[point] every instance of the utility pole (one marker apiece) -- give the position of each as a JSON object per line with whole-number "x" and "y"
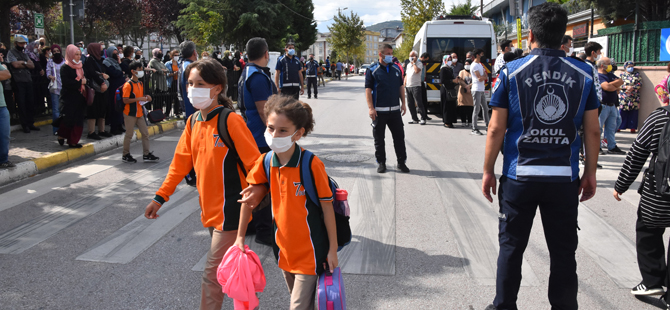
{"x": 71, "y": 22}
{"x": 481, "y": 8}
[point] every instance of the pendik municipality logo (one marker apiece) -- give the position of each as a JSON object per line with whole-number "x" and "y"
{"x": 551, "y": 103}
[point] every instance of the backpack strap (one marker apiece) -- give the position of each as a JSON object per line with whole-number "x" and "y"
{"x": 267, "y": 163}
{"x": 193, "y": 118}
{"x": 306, "y": 177}
{"x": 224, "y": 135}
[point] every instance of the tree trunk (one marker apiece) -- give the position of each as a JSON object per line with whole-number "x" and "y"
{"x": 5, "y": 33}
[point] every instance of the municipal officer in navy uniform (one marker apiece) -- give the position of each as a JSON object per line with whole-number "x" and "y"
{"x": 539, "y": 103}
{"x": 385, "y": 94}
{"x": 289, "y": 73}
{"x": 311, "y": 68}
{"x": 254, "y": 88}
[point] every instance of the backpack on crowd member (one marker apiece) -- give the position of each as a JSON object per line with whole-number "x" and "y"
{"x": 118, "y": 97}
{"x": 308, "y": 183}
{"x": 660, "y": 167}
{"x": 661, "y": 90}
{"x": 330, "y": 291}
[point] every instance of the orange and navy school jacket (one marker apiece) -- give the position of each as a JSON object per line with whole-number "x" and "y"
{"x": 133, "y": 109}
{"x": 301, "y": 240}
{"x": 220, "y": 179}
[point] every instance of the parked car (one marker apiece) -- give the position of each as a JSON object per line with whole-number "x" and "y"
{"x": 362, "y": 69}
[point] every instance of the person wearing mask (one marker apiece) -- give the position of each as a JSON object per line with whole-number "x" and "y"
{"x": 158, "y": 79}
{"x": 465, "y": 101}
{"x": 321, "y": 71}
{"x": 72, "y": 100}
{"x": 505, "y": 47}
{"x": 457, "y": 65}
{"x": 629, "y": 97}
{"x": 7, "y": 85}
{"x": 94, "y": 70}
{"x": 413, "y": 87}
{"x": 479, "y": 79}
{"x": 24, "y": 93}
{"x": 45, "y": 56}
{"x": 172, "y": 78}
{"x": 189, "y": 54}
{"x": 566, "y": 45}
{"x": 448, "y": 92}
{"x": 468, "y": 55}
{"x": 311, "y": 70}
{"x": 287, "y": 73}
{"x": 610, "y": 85}
{"x": 425, "y": 57}
{"x": 328, "y": 72}
{"x": 5, "y": 126}
{"x": 385, "y": 95}
{"x": 255, "y": 89}
{"x": 134, "y": 99}
{"x": 205, "y": 55}
{"x": 38, "y": 76}
{"x": 116, "y": 79}
{"x": 83, "y": 51}
{"x": 53, "y": 73}
{"x": 139, "y": 56}
{"x": 128, "y": 53}
{"x": 338, "y": 68}
{"x": 227, "y": 63}
{"x": 220, "y": 177}
{"x": 536, "y": 174}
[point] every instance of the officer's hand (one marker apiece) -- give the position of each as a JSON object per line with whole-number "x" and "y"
{"x": 373, "y": 114}
{"x": 488, "y": 184}
{"x": 403, "y": 108}
{"x": 616, "y": 196}
{"x": 587, "y": 187}
{"x": 302, "y": 90}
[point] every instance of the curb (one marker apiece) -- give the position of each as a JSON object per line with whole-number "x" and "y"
{"x": 39, "y": 165}
{"x": 38, "y": 124}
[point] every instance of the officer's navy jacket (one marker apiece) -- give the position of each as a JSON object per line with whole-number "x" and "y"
{"x": 546, "y": 95}
{"x": 290, "y": 70}
{"x": 248, "y": 95}
{"x": 385, "y": 82}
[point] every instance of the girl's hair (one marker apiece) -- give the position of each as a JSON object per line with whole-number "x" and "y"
{"x": 212, "y": 73}
{"x": 298, "y": 112}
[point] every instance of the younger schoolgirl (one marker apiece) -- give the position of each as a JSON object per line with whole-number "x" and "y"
{"x": 305, "y": 234}
{"x": 220, "y": 177}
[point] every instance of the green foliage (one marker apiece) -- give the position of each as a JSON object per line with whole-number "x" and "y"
{"x": 467, "y": 9}
{"x": 347, "y": 34}
{"x": 414, "y": 14}
{"x": 650, "y": 10}
{"x": 303, "y": 26}
{"x": 559, "y": 1}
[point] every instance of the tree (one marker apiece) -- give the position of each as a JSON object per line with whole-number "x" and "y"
{"x": 161, "y": 16}
{"x": 347, "y": 34}
{"x": 5, "y": 13}
{"x": 303, "y": 26}
{"x": 465, "y": 9}
{"x": 414, "y": 13}
{"x": 650, "y": 10}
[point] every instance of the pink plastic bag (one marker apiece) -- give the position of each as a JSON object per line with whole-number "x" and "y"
{"x": 241, "y": 277}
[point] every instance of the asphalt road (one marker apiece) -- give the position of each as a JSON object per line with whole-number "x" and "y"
{"x": 77, "y": 239}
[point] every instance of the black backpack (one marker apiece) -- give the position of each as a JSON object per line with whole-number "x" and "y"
{"x": 660, "y": 167}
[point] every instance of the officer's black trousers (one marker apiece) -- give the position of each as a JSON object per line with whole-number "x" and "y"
{"x": 650, "y": 248}
{"x": 394, "y": 122}
{"x": 291, "y": 92}
{"x": 312, "y": 82}
{"x": 558, "y": 207}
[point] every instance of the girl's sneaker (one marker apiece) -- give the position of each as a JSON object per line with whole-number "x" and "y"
{"x": 128, "y": 159}
{"x": 643, "y": 290}
{"x": 150, "y": 157}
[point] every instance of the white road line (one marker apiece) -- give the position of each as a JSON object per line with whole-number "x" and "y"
{"x": 372, "y": 250}
{"x": 50, "y": 223}
{"x": 263, "y": 251}
{"x": 33, "y": 190}
{"x": 167, "y": 139}
{"x": 609, "y": 248}
{"x": 135, "y": 237}
{"x": 474, "y": 222}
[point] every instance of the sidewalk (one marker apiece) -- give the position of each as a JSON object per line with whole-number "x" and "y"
{"x": 39, "y": 151}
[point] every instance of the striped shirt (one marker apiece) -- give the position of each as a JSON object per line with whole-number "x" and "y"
{"x": 654, "y": 209}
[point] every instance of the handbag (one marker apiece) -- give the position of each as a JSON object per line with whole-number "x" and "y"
{"x": 53, "y": 84}
{"x": 97, "y": 87}
{"x": 89, "y": 94}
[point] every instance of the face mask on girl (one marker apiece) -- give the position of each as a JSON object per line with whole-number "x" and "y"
{"x": 199, "y": 97}
{"x": 279, "y": 145}
{"x": 630, "y": 69}
{"x": 230, "y": 57}
{"x": 175, "y": 58}
{"x": 467, "y": 67}
{"x": 449, "y": 63}
{"x": 140, "y": 74}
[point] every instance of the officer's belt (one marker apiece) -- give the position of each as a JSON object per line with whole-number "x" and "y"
{"x": 311, "y": 75}
{"x": 387, "y": 109}
{"x": 291, "y": 84}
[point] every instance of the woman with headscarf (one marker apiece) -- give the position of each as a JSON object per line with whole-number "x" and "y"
{"x": 629, "y": 97}
{"x": 172, "y": 77}
{"x": 95, "y": 71}
{"x": 116, "y": 79}
{"x": 158, "y": 81}
{"x": 38, "y": 76}
{"x": 54, "y": 65}
{"x": 230, "y": 73}
{"x": 465, "y": 100}
{"x": 448, "y": 94}
{"x": 72, "y": 100}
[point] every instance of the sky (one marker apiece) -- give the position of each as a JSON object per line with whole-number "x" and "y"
{"x": 372, "y": 12}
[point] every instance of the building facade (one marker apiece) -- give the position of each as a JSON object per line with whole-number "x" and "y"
{"x": 321, "y": 48}
{"x": 371, "y": 41}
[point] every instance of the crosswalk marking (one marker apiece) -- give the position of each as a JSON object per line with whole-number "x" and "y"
{"x": 609, "y": 248}
{"x": 373, "y": 214}
{"x": 131, "y": 240}
{"x": 474, "y": 223}
{"x": 31, "y": 233}
{"x": 31, "y": 191}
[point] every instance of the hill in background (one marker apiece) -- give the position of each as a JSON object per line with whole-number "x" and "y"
{"x": 387, "y": 24}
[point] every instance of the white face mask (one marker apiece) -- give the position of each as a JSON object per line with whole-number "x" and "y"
{"x": 572, "y": 50}
{"x": 230, "y": 57}
{"x": 140, "y": 74}
{"x": 199, "y": 97}
{"x": 76, "y": 62}
{"x": 449, "y": 63}
{"x": 598, "y": 57}
{"x": 466, "y": 67}
{"x": 175, "y": 58}
{"x": 279, "y": 145}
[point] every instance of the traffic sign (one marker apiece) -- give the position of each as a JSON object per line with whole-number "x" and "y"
{"x": 39, "y": 31}
{"x": 39, "y": 21}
